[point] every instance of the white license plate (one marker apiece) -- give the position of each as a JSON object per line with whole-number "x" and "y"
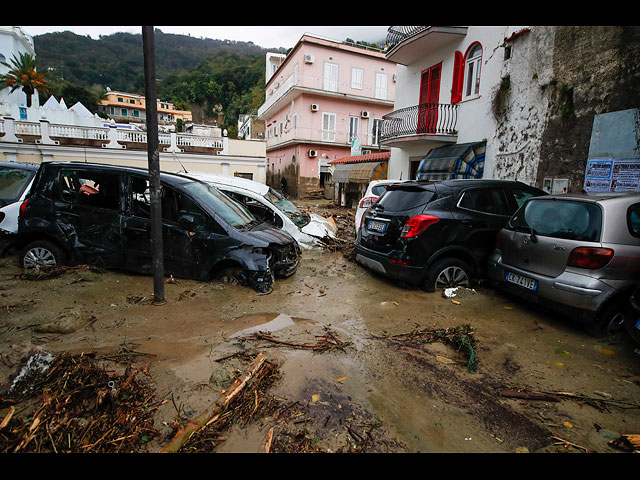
{"x": 377, "y": 226}
{"x": 525, "y": 282}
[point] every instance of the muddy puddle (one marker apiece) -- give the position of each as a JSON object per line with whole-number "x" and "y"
{"x": 374, "y": 389}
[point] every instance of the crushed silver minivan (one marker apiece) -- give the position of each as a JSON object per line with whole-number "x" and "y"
{"x": 265, "y": 203}
{"x": 577, "y": 254}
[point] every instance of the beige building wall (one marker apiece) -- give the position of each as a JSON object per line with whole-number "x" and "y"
{"x": 232, "y": 165}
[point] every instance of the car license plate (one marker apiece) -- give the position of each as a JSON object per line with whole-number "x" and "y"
{"x": 377, "y": 226}
{"x": 525, "y": 282}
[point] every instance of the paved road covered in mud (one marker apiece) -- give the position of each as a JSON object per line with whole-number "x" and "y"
{"x": 378, "y": 389}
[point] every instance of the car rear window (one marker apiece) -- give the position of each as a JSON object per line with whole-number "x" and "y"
{"x": 568, "y": 219}
{"x": 12, "y": 183}
{"x": 378, "y": 190}
{"x": 404, "y": 198}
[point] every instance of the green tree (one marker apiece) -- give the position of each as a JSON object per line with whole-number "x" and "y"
{"x": 23, "y": 74}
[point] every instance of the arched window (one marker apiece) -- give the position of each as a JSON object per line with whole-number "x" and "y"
{"x": 473, "y": 59}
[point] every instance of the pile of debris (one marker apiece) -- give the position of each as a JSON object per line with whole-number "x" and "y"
{"x": 70, "y": 404}
{"x": 461, "y": 337}
{"x": 344, "y": 220}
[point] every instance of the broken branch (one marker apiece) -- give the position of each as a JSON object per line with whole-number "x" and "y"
{"x": 215, "y": 410}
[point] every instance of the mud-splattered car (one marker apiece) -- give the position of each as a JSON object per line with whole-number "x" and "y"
{"x": 100, "y": 214}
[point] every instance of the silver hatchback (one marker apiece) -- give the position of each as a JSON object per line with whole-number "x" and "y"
{"x": 578, "y": 254}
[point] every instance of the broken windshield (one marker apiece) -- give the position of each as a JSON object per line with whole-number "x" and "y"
{"x": 290, "y": 210}
{"x": 232, "y": 212}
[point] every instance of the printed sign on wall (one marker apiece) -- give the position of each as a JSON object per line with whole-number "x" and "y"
{"x": 612, "y": 175}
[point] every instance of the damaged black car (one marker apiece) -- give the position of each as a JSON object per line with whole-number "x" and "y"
{"x": 80, "y": 213}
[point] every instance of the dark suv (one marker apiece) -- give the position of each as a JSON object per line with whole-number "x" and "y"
{"x": 90, "y": 213}
{"x": 437, "y": 235}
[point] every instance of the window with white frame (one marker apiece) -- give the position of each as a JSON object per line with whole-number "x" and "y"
{"x": 330, "y": 77}
{"x": 472, "y": 71}
{"x": 328, "y": 127}
{"x": 382, "y": 84}
{"x": 375, "y": 125}
{"x": 354, "y": 123}
{"x": 357, "y": 78}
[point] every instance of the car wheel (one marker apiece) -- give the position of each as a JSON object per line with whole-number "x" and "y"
{"x": 447, "y": 273}
{"x": 609, "y": 322}
{"x": 231, "y": 275}
{"x": 41, "y": 253}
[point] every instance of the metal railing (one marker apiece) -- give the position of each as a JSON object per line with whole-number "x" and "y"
{"x": 395, "y": 35}
{"x": 10, "y": 128}
{"x": 426, "y": 118}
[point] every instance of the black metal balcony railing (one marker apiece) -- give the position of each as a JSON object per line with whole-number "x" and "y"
{"x": 396, "y": 35}
{"x": 426, "y": 118}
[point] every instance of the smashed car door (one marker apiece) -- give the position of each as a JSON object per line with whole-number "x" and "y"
{"x": 89, "y": 210}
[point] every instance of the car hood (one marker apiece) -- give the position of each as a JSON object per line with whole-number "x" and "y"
{"x": 265, "y": 234}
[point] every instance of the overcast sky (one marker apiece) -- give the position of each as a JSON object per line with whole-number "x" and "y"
{"x": 266, "y": 37}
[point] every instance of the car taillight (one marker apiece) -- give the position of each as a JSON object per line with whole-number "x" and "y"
{"x": 498, "y": 245}
{"x": 366, "y": 202}
{"x": 23, "y": 206}
{"x": 416, "y": 225}
{"x": 590, "y": 257}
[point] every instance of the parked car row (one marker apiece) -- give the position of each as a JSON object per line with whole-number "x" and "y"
{"x": 439, "y": 234}
{"x": 100, "y": 214}
{"x": 577, "y": 254}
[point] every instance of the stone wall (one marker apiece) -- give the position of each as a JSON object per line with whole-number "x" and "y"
{"x": 596, "y": 69}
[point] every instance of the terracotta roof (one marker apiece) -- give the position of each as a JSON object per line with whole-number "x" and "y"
{"x": 371, "y": 157}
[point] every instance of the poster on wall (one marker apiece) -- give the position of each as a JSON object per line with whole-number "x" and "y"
{"x": 612, "y": 175}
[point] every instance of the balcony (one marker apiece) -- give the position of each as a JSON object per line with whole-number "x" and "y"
{"x": 337, "y": 138}
{"x": 283, "y": 92}
{"x": 405, "y": 45}
{"x": 427, "y": 121}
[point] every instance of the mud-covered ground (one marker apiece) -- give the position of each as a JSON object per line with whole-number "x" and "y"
{"x": 379, "y": 391}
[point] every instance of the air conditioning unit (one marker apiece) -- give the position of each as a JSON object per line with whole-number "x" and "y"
{"x": 308, "y": 59}
{"x": 364, "y": 114}
{"x": 313, "y": 153}
{"x": 314, "y": 107}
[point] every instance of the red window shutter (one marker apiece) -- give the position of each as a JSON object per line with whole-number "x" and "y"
{"x": 458, "y": 71}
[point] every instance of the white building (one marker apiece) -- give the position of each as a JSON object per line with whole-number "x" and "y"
{"x": 448, "y": 84}
{"x": 14, "y": 42}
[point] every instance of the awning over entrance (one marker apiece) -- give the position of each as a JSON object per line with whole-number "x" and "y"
{"x": 365, "y": 172}
{"x": 361, "y": 172}
{"x": 464, "y": 160}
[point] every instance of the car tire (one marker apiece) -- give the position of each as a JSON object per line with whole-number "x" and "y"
{"x": 446, "y": 273}
{"x": 41, "y": 253}
{"x": 231, "y": 275}
{"x": 610, "y": 322}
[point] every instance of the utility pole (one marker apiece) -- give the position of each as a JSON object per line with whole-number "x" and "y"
{"x": 148, "y": 46}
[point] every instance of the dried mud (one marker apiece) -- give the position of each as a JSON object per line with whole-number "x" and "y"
{"x": 373, "y": 394}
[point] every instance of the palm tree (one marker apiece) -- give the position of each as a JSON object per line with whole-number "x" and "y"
{"x": 22, "y": 74}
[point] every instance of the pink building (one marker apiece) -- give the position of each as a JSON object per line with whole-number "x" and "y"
{"x": 322, "y": 100}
